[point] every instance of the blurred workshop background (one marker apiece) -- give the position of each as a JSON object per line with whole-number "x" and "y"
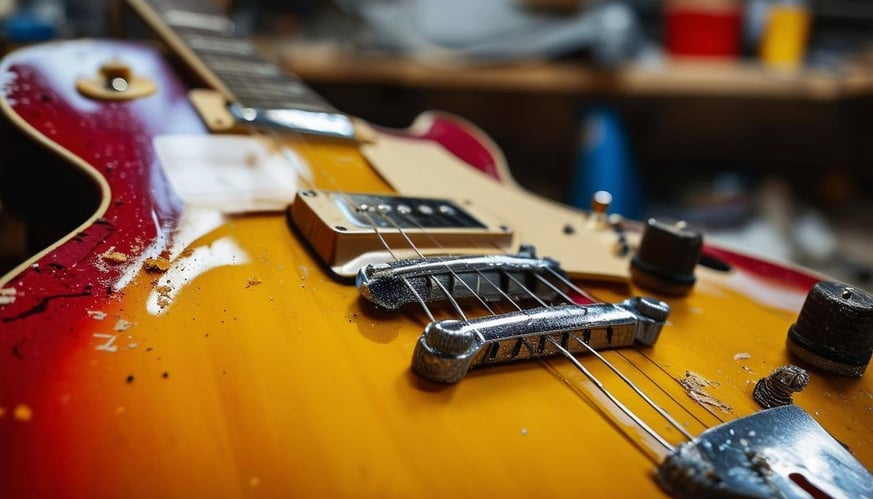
{"x": 750, "y": 118}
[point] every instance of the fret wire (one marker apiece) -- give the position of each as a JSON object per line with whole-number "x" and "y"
{"x": 233, "y": 60}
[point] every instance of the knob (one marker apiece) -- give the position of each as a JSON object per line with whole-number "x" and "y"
{"x": 666, "y": 258}
{"x": 115, "y": 80}
{"x": 834, "y": 330}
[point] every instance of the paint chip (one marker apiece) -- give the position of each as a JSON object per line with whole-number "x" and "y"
{"x": 23, "y": 412}
{"x": 113, "y": 256}
{"x": 7, "y": 296}
{"x": 97, "y": 315}
{"x": 695, "y": 386}
{"x": 122, "y": 325}
{"x": 108, "y": 345}
{"x": 742, "y": 356}
{"x": 156, "y": 265}
{"x": 164, "y": 298}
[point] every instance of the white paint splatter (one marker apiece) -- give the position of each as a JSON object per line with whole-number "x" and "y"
{"x": 7, "y": 296}
{"x": 223, "y": 252}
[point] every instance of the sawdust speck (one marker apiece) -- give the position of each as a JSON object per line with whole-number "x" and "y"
{"x": 123, "y": 325}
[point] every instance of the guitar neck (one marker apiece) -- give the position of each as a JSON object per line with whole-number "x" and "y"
{"x": 257, "y": 89}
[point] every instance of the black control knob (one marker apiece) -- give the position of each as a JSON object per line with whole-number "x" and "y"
{"x": 834, "y": 330}
{"x": 666, "y": 258}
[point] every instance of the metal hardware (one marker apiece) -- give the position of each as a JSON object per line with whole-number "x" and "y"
{"x": 316, "y": 121}
{"x": 490, "y": 277}
{"x": 779, "y": 452}
{"x": 448, "y": 349}
{"x": 350, "y": 231}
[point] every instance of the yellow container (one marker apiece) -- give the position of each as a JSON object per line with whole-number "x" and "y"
{"x": 785, "y": 35}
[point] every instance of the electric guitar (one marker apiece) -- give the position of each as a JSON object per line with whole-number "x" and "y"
{"x": 257, "y": 295}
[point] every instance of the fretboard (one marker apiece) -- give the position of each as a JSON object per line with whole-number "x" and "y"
{"x": 206, "y": 40}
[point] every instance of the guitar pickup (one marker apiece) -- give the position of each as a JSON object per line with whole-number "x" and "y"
{"x": 351, "y": 231}
{"x": 488, "y": 277}
{"x": 449, "y": 348}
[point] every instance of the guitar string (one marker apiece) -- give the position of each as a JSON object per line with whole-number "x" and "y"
{"x": 608, "y": 364}
{"x": 459, "y": 310}
{"x": 663, "y": 413}
{"x": 434, "y": 279}
{"x": 666, "y": 415}
{"x": 597, "y": 383}
{"x": 566, "y": 353}
{"x": 365, "y": 210}
{"x": 479, "y": 272}
{"x": 588, "y": 374}
{"x": 661, "y": 388}
{"x": 704, "y": 406}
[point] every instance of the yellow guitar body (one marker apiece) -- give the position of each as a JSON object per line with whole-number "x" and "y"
{"x": 240, "y": 367}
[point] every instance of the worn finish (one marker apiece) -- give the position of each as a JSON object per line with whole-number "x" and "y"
{"x": 161, "y": 352}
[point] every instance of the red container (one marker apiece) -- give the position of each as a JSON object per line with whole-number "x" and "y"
{"x": 703, "y": 28}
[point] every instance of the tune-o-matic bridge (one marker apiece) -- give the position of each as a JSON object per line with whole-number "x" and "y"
{"x": 487, "y": 277}
{"x": 449, "y": 348}
{"x": 350, "y": 231}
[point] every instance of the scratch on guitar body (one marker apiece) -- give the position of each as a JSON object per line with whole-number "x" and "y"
{"x": 108, "y": 345}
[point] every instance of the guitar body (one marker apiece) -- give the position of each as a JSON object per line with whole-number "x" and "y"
{"x": 246, "y": 369}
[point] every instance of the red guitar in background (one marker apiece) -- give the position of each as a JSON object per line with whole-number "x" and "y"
{"x": 249, "y": 293}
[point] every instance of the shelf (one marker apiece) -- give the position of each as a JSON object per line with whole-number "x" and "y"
{"x": 325, "y": 63}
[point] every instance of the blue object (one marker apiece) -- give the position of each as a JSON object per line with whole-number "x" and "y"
{"x": 25, "y": 27}
{"x": 605, "y": 163}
